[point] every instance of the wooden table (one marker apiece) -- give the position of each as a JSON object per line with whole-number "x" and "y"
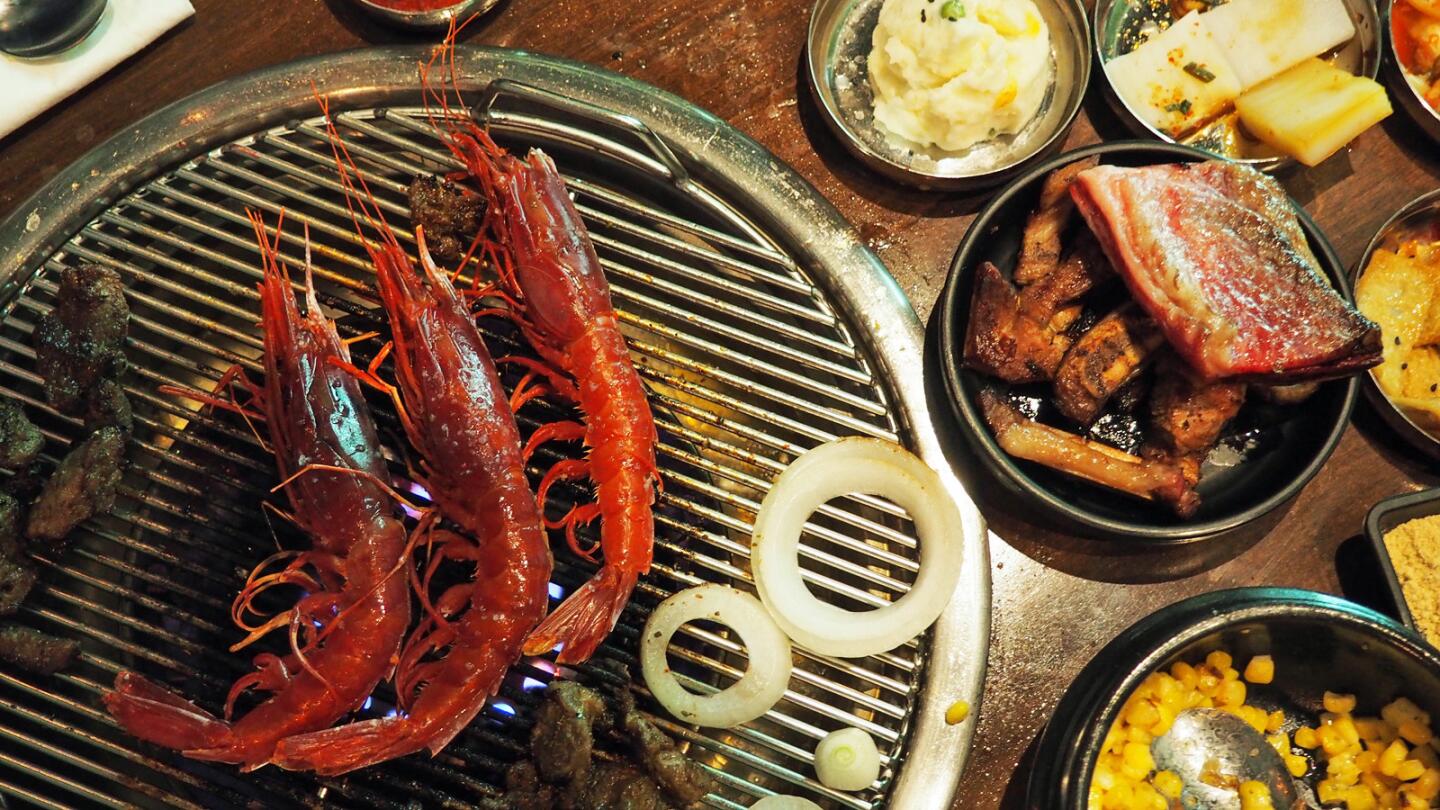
{"x": 1058, "y": 598}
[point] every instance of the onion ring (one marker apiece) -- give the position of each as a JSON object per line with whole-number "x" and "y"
{"x": 840, "y": 467}
{"x": 757, "y": 691}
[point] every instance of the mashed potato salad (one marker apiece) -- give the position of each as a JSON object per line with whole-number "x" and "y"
{"x": 953, "y": 73}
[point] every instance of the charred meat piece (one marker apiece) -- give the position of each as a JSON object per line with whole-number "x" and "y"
{"x": 1187, "y": 416}
{"x": 1092, "y": 461}
{"x": 34, "y": 650}
{"x": 449, "y": 214}
{"x": 616, "y": 785}
{"x": 20, "y": 440}
{"x": 1002, "y": 341}
{"x": 680, "y": 776}
{"x": 564, "y": 735}
{"x": 1103, "y": 361}
{"x": 1214, "y": 252}
{"x": 17, "y": 576}
{"x": 567, "y": 772}
{"x": 1040, "y": 242}
{"x": 80, "y": 346}
{"x": 83, "y": 486}
{"x": 1050, "y": 300}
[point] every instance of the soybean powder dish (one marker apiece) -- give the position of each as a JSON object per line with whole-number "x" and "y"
{"x": 1414, "y": 548}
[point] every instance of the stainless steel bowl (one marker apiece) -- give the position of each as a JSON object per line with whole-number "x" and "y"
{"x": 1415, "y": 106}
{"x": 1109, "y": 21}
{"x": 427, "y": 21}
{"x": 1418, "y": 219}
{"x": 1319, "y": 642}
{"x": 835, "y": 63}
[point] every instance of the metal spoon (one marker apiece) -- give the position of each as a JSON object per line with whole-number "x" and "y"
{"x": 31, "y": 28}
{"x": 1233, "y": 749}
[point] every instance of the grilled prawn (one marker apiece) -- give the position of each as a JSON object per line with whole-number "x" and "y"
{"x": 345, "y": 635}
{"x": 455, "y": 414}
{"x": 549, "y": 273}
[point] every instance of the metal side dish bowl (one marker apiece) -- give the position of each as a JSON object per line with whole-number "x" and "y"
{"x": 1401, "y": 86}
{"x": 427, "y": 20}
{"x": 1116, "y": 27}
{"x": 839, "y": 44}
{"x": 1418, "y": 219}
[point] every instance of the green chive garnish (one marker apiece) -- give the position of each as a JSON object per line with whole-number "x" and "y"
{"x": 952, "y": 10}
{"x": 1199, "y": 72}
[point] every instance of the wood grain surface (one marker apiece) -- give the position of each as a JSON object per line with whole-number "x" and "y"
{"x": 1058, "y": 597}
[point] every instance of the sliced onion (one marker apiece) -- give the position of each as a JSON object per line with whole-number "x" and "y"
{"x": 778, "y": 802}
{"x": 840, "y": 467}
{"x": 765, "y": 679}
{"x": 847, "y": 760}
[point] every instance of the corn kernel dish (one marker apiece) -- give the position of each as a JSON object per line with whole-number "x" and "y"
{"x": 1355, "y": 762}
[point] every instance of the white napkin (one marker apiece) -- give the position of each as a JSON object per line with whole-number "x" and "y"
{"x": 31, "y": 86}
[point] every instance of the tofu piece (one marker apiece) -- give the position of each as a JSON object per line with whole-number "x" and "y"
{"x": 1262, "y": 38}
{"x": 1312, "y": 110}
{"x": 1154, "y": 83}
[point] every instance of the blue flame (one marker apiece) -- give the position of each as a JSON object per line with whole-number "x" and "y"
{"x": 556, "y": 592}
{"x": 504, "y": 708}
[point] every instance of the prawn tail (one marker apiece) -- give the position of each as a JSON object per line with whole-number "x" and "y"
{"x": 581, "y": 622}
{"x": 157, "y": 715}
{"x": 334, "y": 751}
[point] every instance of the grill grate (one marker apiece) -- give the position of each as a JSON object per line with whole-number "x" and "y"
{"x": 747, "y": 365}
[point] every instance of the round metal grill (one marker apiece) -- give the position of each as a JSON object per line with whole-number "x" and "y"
{"x": 748, "y": 357}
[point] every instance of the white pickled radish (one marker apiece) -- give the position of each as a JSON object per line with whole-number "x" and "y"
{"x": 847, "y": 760}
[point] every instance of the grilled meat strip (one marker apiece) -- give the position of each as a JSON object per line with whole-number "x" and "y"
{"x": 36, "y": 651}
{"x": 1040, "y": 242}
{"x": 1019, "y": 335}
{"x": 1214, "y": 252}
{"x": 1000, "y": 340}
{"x": 566, "y": 772}
{"x": 1092, "y": 461}
{"x": 80, "y": 347}
{"x": 82, "y": 487}
{"x": 449, "y": 214}
{"x": 1107, "y": 357}
{"x": 17, "y": 576}
{"x": 20, "y": 440}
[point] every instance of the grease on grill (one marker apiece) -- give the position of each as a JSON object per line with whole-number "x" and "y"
{"x": 565, "y": 771}
{"x": 80, "y": 347}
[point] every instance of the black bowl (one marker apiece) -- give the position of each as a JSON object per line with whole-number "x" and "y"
{"x": 1385, "y": 516}
{"x": 1319, "y": 642}
{"x": 1296, "y": 447}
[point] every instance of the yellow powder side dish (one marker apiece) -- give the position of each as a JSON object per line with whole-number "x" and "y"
{"x": 1414, "y": 548}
